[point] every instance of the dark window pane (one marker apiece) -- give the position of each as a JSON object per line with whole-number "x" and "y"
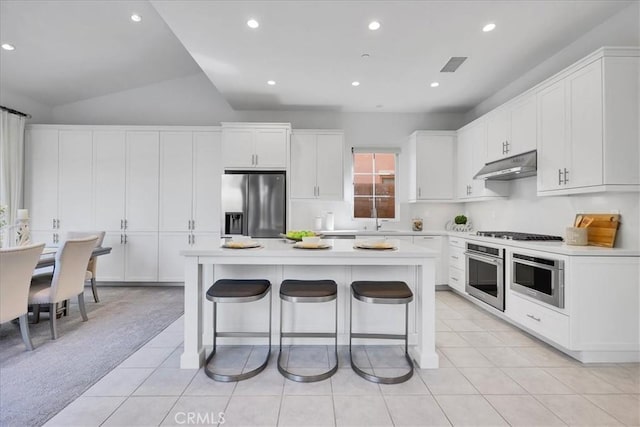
{"x": 386, "y": 207}
{"x": 386, "y": 187}
{"x": 363, "y": 185}
{"x": 363, "y": 207}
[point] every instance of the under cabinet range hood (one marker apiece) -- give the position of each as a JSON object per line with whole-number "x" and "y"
{"x": 519, "y": 166}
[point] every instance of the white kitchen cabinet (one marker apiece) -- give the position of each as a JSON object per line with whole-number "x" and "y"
{"x": 456, "y": 264}
{"x": 109, "y": 179}
{"x": 545, "y": 321}
{"x": 41, "y": 178}
{"x": 189, "y": 181}
{"x": 471, "y": 157}
{"x": 255, "y": 145}
{"x": 588, "y": 127}
{"x": 171, "y": 263}
{"x": 141, "y": 257}
{"x": 317, "y": 165}
{"x": 110, "y": 268}
{"x": 142, "y": 176}
{"x": 431, "y": 166}
{"x": 511, "y": 128}
{"x": 58, "y": 180}
{"x": 436, "y": 243}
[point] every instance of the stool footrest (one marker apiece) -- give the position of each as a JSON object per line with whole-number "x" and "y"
{"x": 243, "y": 334}
{"x": 235, "y": 377}
{"x": 308, "y": 335}
{"x": 383, "y": 380}
{"x": 378, "y": 336}
{"x": 307, "y": 378}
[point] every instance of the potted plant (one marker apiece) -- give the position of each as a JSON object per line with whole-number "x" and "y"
{"x": 460, "y": 220}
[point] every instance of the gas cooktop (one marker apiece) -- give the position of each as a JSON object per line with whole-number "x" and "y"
{"x": 511, "y": 235}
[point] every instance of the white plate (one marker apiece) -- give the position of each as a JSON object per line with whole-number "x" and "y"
{"x": 304, "y": 245}
{"x": 241, "y": 244}
{"x": 380, "y": 246}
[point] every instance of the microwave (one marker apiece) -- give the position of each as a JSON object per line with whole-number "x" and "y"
{"x": 539, "y": 278}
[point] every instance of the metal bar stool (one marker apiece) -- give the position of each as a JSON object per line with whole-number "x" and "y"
{"x": 237, "y": 291}
{"x": 390, "y": 292}
{"x": 308, "y": 291}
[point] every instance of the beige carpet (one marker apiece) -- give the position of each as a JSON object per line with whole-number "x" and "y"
{"x": 36, "y": 385}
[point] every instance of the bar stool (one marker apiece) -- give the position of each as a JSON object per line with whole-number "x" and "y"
{"x": 237, "y": 291}
{"x": 381, "y": 292}
{"x": 308, "y": 291}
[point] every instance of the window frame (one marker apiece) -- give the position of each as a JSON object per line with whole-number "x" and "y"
{"x": 396, "y": 196}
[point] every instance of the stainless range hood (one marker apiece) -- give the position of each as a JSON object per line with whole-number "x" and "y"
{"x": 519, "y": 166}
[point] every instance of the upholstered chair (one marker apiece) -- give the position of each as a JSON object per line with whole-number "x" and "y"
{"x": 90, "y": 275}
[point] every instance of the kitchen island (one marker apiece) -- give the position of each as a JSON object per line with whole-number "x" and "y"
{"x": 277, "y": 260}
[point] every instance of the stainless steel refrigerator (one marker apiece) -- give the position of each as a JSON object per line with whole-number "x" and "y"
{"x": 254, "y": 203}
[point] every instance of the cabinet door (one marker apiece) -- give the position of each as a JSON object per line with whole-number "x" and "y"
{"x": 46, "y": 237}
{"x": 141, "y": 257}
{"x": 171, "y": 263}
{"x": 176, "y": 180}
{"x": 109, "y": 169}
{"x": 498, "y": 135}
{"x": 270, "y": 148}
{"x": 143, "y": 151}
{"x": 41, "y": 177}
{"x": 463, "y": 163}
{"x": 434, "y": 171}
{"x": 434, "y": 243}
{"x": 207, "y": 240}
{"x": 75, "y": 190}
{"x": 206, "y": 185}
{"x": 523, "y": 126}
{"x": 478, "y": 142}
{"x": 110, "y": 267}
{"x": 303, "y": 166}
{"x": 237, "y": 148}
{"x": 329, "y": 168}
{"x": 551, "y": 136}
{"x": 584, "y": 133}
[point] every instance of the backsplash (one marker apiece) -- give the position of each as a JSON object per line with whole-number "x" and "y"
{"x": 526, "y": 212}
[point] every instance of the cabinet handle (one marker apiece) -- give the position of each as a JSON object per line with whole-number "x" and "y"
{"x": 121, "y": 239}
{"x": 189, "y": 239}
{"x": 126, "y": 225}
{"x": 57, "y": 224}
{"x": 455, "y": 279}
{"x": 256, "y": 160}
{"x": 503, "y": 149}
{"x": 419, "y": 192}
{"x": 121, "y": 224}
{"x": 454, "y": 257}
{"x": 193, "y": 224}
{"x": 318, "y": 191}
{"x": 189, "y": 225}
{"x": 559, "y": 176}
{"x": 193, "y": 239}
{"x": 508, "y": 144}
{"x": 125, "y": 239}
{"x": 531, "y": 316}
{"x": 53, "y": 225}
{"x": 566, "y": 172}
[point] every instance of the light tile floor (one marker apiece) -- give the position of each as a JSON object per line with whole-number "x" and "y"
{"x": 490, "y": 374}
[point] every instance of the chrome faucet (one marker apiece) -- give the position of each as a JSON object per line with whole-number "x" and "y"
{"x": 378, "y": 223}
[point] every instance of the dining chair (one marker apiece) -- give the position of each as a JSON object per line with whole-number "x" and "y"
{"x": 90, "y": 275}
{"x": 16, "y": 268}
{"x": 68, "y": 278}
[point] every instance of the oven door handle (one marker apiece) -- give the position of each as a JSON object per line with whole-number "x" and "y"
{"x": 496, "y": 261}
{"x": 535, "y": 264}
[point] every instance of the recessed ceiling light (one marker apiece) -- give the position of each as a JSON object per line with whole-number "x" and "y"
{"x": 374, "y": 25}
{"x": 136, "y": 18}
{"x": 489, "y": 27}
{"x": 271, "y": 82}
{"x": 355, "y": 83}
{"x": 365, "y": 55}
{"x": 379, "y": 106}
{"x": 435, "y": 84}
{"x": 252, "y": 23}
{"x": 7, "y": 46}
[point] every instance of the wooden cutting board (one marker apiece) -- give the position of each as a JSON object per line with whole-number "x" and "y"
{"x": 601, "y": 228}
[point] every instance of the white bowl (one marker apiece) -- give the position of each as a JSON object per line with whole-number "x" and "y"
{"x": 311, "y": 239}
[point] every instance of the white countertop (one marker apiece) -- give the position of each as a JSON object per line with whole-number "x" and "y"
{"x": 341, "y": 248}
{"x": 551, "y": 247}
{"x": 384, "y": 233}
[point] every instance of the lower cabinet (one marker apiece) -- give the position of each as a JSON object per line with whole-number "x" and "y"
{"x": 542, "y": 320}
{"x": 442, "y": 265}
{"x": 170, "y": 262}
{"x": 133, "y": 258}
{"x": 456, "y": 263}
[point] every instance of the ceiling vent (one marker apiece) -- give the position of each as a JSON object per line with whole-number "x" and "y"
{"x": 453, "y": 64}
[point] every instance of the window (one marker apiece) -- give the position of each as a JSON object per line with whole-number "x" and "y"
{"x": 374, "y": 184}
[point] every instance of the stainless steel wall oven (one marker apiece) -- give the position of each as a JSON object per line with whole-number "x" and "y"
{"x": 485, "y": 274}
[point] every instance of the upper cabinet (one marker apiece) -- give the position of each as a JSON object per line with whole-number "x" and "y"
{"x": 317, "y": 164}
{"x": 511, "y": 128}
{"x": 471, "y": 157}
{"x": 255, "y": 145}
{"x": 588, "y": 126}
{"x": 431, "y": 166}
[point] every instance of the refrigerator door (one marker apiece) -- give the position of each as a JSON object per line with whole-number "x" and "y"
{"x": 234, "y": 203}
{"x": 266, "y": 205}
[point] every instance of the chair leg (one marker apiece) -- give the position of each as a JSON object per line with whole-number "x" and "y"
{"x": 53, "y": 320}
{"x": 36, "y": 313}
{"x": 94, "y": 289}
{"x": 24, "y": 330}
{"x": 83, "y": 310}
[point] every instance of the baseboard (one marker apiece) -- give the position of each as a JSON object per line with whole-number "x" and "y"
{"x": 134, "y": 284}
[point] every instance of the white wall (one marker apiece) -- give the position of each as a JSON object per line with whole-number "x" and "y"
{"x": 40, "y": 113}
{"x": 524, "y": 211}
{"x": 622, "y": 29}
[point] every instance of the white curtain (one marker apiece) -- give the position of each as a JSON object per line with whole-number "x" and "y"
{"x": 11, "y": 162}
